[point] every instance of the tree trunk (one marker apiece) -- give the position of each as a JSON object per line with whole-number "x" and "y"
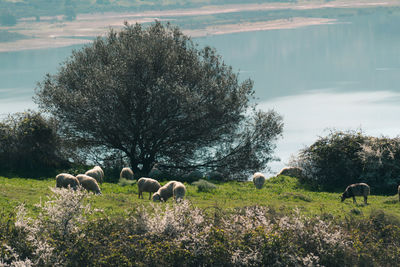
{"x": 134, "y": 166}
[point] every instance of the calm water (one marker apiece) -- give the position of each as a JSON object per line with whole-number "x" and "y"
{"x": 343, "y": 76}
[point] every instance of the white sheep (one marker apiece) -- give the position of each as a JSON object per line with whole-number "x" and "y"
{"x": 126, "y": 173}
{"x": 258, "y": 180}
{"x": 179, "y": 191}
{"x": 171, "y": 189}
{"x": 147, "y": 185}
{"x": 63, "y": 180}
{"x": 96, "y": 173}
{"x": 89, "y": 183}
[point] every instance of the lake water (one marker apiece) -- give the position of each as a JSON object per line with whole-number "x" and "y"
{"x": 342, "y": 76}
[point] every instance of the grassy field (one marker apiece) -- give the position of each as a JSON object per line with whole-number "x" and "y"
{"x": 279, "y": 193}
{"x": 136, "y": 232}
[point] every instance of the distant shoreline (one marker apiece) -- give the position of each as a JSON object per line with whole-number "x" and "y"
{"x": 44, "y": 34}
{"x": 55, "y": 42}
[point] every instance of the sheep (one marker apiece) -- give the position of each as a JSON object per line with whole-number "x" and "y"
{"x": 89, "y": 183}
{"x": 291, "y": 171}
{"x": 172, "y": 188}
{"x": 147, "y": 185}
{"x": 96, "y": 173}
{"x": 179, "y": 191}
{"x": 126, "y": 173}
{"x": 65, "y": 180}
{"x": 353, "y": 190}
{"x": 258, "y": 180}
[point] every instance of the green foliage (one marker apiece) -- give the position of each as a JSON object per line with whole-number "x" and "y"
{"x": 192, "y": 176}
{"x": 204, "y": 186}
{"x": 215, "y": 176}
{"x": 376, "y": 238}
{"x": 298, "y": 196}
{"x": 342, "y": 158}
{"x": 173, "y": 104}
{"x": 183, "y": 235}
{"x": 29, "y": 145}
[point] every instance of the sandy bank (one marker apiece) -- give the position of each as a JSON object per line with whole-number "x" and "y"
{"x": 47, "y": 34}
{"x": 260, "y": 26}
{"x": 51, "y": 39}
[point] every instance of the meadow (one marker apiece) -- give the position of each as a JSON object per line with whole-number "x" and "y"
{"x": 280, "y": 193}
{"x": 234, "y": 224}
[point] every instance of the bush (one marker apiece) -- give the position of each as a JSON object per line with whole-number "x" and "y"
{"x": 342, "y": 158}
{"x": 183, "y": 235}
{"x": 176, "y": 235}
{"x": 54, "y": 233}
{"x": 215, "y": 176}
{"x": 380, "y": 159}
{"x": 192, "y": 176}
{"x": 157, "y": 174}
{"x": 30, "y": 146}
{"x": 376, "y": 239}
{"x": 204, "y": 186}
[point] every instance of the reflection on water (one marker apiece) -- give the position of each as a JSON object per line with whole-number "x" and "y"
{"x": 356, "y": 54}
{"x": 356, "y": 62}
{"x": 313, "y": 114}
{"x": 19, "y": 73}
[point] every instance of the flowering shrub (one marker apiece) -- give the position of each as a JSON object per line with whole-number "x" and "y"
{"x": 183, "y": 235}
{"x": 56, "y": 229}
{"x": 179, "y": 234}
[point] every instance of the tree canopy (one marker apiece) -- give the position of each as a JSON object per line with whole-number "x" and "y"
{"x": 153, "y": 94}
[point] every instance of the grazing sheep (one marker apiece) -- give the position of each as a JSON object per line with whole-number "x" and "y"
{"x": 147, "y": 185}
{"x": 96, "y": 173}
{"x": 292, "y": 172}
{"x": 65, "y": 180}
{"x": 126, "y": 173}
{"x": 89, "y": 183}
{"x": 353, "y": 190}
{"x": 172, "y": 188}
{"x": 179, "y": 191}
{"x": 258, "y": 180}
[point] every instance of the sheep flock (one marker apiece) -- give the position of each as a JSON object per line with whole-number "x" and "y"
{"x": 92, "y": 178}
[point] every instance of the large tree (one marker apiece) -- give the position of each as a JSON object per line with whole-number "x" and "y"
{"x": 151, "y": 93}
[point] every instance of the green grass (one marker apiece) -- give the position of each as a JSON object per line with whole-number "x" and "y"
{"x": 280, "y": 193}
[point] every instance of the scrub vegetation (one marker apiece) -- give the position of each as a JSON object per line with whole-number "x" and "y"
{"x": 235, "y": 224}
